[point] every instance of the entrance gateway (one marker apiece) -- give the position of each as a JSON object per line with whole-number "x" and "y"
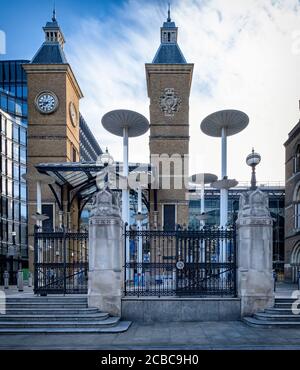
{"x": 174, "y": 263}
{"x": 181, "y": 263}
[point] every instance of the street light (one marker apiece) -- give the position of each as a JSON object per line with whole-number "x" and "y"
{"x": 106, "y": 160}
{"x": 253, "y": 160}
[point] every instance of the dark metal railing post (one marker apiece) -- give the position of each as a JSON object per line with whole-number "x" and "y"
{"x": 235, "y": 267}
{"x": 36, "y": 259}
{"x": 125, "y": 249}
{"x": 65, "y": 261}
{"x": 298, "y": 279}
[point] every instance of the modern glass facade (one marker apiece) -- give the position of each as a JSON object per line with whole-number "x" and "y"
{"x": 89, "y": 147}
{"x": 212, "y": 210}
{"x": 13, "y": 207}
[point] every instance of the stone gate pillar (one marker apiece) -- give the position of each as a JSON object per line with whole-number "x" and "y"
{"x": 254, "y": 253}
{"x": 105, "y": 281}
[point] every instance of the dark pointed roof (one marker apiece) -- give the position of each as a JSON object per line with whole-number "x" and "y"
{"x": 50, "y": 53}
{"x": 169, "y": 54}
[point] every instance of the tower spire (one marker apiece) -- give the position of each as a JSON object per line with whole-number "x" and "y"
{"x": 169, "y": 12}
{"x": 54, "y": 13}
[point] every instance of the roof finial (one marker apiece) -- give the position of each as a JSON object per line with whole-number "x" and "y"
{"x": 169, "y": 16}
{"x": 54, "y": 13}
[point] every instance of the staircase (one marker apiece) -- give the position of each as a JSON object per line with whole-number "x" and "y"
{"x": 279, "y": 316}
{"x": 57, "y": 314}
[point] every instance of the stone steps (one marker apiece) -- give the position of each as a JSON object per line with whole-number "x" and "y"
{"x": 56, "y": 315}
{"x": 280, "y": 315}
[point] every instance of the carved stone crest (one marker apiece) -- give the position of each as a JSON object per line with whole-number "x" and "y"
{"x": 254, "y": 204}
{"x": 169, "y": 103}
{"x": 105, "y": 203}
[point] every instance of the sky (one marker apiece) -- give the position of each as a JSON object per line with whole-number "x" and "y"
{"x": 246, "y": 56}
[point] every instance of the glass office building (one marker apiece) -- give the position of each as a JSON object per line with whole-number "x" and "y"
{"x": 212, "y": 209}
{"x": 13, "y": 207}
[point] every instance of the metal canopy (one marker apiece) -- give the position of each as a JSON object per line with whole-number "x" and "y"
{"x": 116, "y": 120}
{"x": 82, "y": 175}
{"x": 232, "y": 120}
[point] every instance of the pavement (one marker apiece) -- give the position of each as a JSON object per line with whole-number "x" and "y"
{"x": 233, "y": 335}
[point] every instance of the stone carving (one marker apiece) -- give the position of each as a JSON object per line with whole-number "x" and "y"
{"x": 169, "y": 103}
{"x": 254, "y": 203}
{"x": 105, "y": 203}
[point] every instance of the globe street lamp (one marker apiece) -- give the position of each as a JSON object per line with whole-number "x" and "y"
{"x": 253, "y": 160}
{"x": 106, "y": 160}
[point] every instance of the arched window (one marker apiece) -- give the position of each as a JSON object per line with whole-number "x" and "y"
{"x": 297, "y": 160}
{"x": 297, "y": 209}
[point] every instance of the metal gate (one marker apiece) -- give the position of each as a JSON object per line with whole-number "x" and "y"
{"x": 60, "y": 262}
{"x": 180, "y": 263}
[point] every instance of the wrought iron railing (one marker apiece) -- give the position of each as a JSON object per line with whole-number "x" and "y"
{"x": 60, "y": 262}
{"x": 180, "y": 263}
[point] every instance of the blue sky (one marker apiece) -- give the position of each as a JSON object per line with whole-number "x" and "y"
{"x": 246, "y": 55}
{"x": 21, "y": 20}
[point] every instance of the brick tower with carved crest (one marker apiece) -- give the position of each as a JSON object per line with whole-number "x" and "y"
{"x": 169, "y": 79}
{"x": 53, "y": 122}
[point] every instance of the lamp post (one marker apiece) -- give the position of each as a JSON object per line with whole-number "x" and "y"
{"x": 107, "y": 160}
{"x": 253, "y": 160}
{"x": 222, "y": 124}
{"x": 125, "y": 123}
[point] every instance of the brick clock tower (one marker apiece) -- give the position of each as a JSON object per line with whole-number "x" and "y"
{"x": 169, "y": 79}
{"x": 53, "y": 120}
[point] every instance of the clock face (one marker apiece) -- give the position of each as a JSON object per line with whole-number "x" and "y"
{"x": 73, "y": 114}
{"x": 46, "y": 102}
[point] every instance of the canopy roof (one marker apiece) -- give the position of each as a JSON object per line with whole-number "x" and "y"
{"x": 81, "y": 176}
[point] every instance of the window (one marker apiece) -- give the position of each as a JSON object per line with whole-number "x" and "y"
{"x": 3, "y": 166}
{"x": 16, "y": 189}
{"x": 9, "y": 129}
{"x": 23, "y": 191}
{"x": 16, "y": 171}
{"x": 16, "y": 133}
{"x": 16, "y": 152}
{"x": 297, "y": 209}
{"x": 9, "y": 208}
{"x": 47, "y": 209}
{"x": 22, "y": 136}
{"x": 23, "y": 155}
{"x": 297, "y": 160}
{"x": 169, "y": 217}
{"x": 23, "y": 212}
{"x": 9, "y": 187}
{"x": 9, "y": 168}
{"x": 22, "y": 172}
{"x": 3, "y": 124}
{"x": 8, "y": 148}
{"x": 3, "y": 145}
{"x": 16, "y": 211}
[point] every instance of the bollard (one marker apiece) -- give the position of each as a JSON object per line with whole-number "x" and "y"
{"x": 299, "y": 280}
{"x": 20, "y": 282}
{"x": 6, "y": 279}
{"x": 29, "y": 279}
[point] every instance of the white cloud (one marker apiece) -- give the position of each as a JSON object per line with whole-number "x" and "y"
{"x": 243, "y": 55}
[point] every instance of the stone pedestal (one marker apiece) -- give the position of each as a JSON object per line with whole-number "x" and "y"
{"x": 254, "y": 253}
{"x": 105, "y": 282}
